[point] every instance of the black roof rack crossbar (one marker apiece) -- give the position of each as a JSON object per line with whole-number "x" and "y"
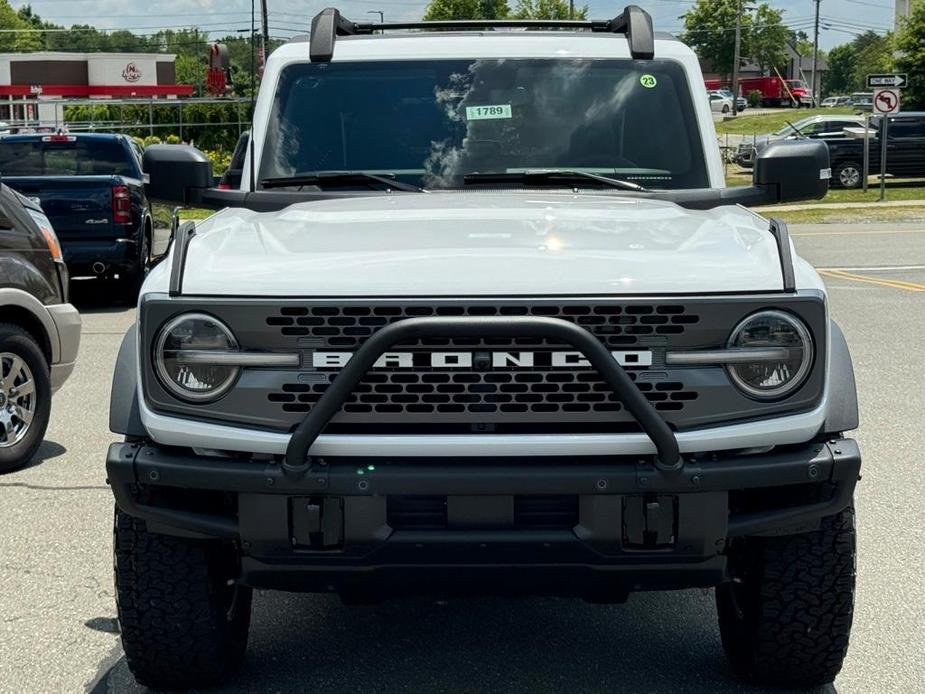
{"x": 634, "y": 22}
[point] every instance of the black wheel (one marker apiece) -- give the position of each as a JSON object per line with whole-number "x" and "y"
{"x": 849, "y": 175}
{"x": 184, "y": 620}
{"x": 25, "y": 397}
{"x": 786, "y": 617}
{"x": 136, "y": 276}
{"x": 725, "y": 108}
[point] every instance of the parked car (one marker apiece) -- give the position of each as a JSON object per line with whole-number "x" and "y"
{"x": 863, "y": 101}
{"x": 905, "y": 150}
{"x": 811, "y": 127}
{"x": 720, "y": 103}
{"x": 836, "y": 101}
{"x": 91, "y": 186}
{"x": 741, "y": 102}
{"x": 231, "y": 179}
{"x": 398, "y": 368}
{"x": 39, "y": 329}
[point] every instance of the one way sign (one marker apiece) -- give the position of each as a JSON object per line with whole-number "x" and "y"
{"x": 895, "y": 79}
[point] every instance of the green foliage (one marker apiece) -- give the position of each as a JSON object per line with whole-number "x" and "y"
{"x": 839, "y": 78}
{"x": 754, "y": 98}
{"x": 444, "y": 10}
{"x": 850, "y": 63}
{"x": 706, "y": 27}
{"x": 767, "y": 38}
{"x": 548, "y": 9}
{"x": 709, "y": 30}
{"x": 910, "y": 58}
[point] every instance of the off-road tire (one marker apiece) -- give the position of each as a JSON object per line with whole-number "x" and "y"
{"x": 182, "y": 624}
{"x": 15, "y": 340}
{"x": 786, "y": 620}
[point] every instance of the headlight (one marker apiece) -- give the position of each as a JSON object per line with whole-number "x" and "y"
{"x": 775, "y": 378}
{"x": 188, "y": 357}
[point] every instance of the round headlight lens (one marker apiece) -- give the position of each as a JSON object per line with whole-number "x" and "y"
{"x": 180, "y": 363}
{"x": 768, "y": 380}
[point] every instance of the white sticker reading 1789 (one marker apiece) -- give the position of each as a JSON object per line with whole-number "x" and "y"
{"x": 488, "y": 112}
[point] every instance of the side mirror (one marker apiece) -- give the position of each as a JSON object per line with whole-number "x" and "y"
{"x": 795, "y": 169}
{"x": 175, "y": 172}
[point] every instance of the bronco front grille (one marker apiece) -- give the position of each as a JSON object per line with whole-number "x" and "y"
{"x": 480, "y": 393}
{"x": 615, "y": 325}
{"x": 481, "y": 396}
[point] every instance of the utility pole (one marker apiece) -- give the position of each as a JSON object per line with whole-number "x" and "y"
{"x": 265, "y": 26}
{"x": 571, "y": 9}
{"x": 815, "y": 54}
{"x": 736, "y": 58}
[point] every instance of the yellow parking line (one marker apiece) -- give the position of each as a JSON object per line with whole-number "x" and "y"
{"x": 894, "y": 284}
{"x": 864, "y": 232}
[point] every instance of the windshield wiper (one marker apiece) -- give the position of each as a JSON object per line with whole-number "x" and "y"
{"x": 795, "y": 129}
{"x": 339, "y": 178}
{"x": 551, "y": 175}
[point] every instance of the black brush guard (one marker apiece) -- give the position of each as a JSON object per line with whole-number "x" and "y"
{"x": 667, "y": 458}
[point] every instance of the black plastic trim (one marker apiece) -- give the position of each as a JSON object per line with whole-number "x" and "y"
{"x": 184, "y": 234}
{"x": 782, "y": 236}
{"x": 327, "y": 25}
{"x": 124, "y": 413}
{"x": 837, "y": 462}
{"x": 842, "y": 410}
{"x": 594, "y": 351}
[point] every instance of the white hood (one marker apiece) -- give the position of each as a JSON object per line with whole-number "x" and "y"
{"x": 480, "y": 244}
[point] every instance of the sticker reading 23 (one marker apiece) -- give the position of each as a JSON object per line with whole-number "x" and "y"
{"x": 488, "y": 112}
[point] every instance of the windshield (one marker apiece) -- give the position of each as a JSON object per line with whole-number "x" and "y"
{"x": 799, "y": 125}
{"x": 431, "y": 123}
{"x": 77, "y": 157}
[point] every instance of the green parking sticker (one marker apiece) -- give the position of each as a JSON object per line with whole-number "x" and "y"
{"x": 648, "y": 81}
{"x": 488, "y": 112}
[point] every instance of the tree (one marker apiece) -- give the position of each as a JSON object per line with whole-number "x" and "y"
{"x": 839, "y": 79}
{"x": 910, "y": 47}
{"x": 709, "y": 28}
{"x": 547, "y": 9}
{"x": 446, "y": 10}
{"x": 767, "y": 38}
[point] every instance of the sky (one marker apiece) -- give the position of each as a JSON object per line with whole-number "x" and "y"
{"x": 841, "y": 20}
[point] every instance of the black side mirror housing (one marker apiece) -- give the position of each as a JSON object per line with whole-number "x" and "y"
{"x": 175, "y": 173}
{"x": 796, "y": 169}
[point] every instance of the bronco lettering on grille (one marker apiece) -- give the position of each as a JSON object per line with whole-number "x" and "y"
{"x": 479, "y": 360}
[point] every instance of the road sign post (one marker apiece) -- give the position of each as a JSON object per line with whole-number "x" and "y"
{"x": 866, "y": 169}
{"x": 884, "y": 133}
{"x": 886, "y": 102}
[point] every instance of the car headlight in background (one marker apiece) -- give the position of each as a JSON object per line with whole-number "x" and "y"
{"x": 48, "y": 233}
{"x": 191, "y": 356}
{"x": 771, "y": 379}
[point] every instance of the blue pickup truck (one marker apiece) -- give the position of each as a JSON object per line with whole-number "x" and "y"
{"x": 91, "y": 187}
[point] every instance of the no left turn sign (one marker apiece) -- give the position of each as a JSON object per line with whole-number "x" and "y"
{"x": 886, "y": 101}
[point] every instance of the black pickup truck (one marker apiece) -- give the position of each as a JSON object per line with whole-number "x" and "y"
{"x": 91, "y": 186}
{"x": 905, "y": 150}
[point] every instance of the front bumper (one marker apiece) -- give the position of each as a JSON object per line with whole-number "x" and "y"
{"x": 67, "y": 323}
{"x": 335, "y": 528}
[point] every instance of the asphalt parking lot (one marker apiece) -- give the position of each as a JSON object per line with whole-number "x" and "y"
{"x": 57, "y": 616}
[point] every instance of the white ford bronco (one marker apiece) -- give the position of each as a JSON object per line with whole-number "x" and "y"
{"x": 484, "y": 318}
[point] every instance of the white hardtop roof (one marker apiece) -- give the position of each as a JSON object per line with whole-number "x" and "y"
{"x": 483, "y": 44}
